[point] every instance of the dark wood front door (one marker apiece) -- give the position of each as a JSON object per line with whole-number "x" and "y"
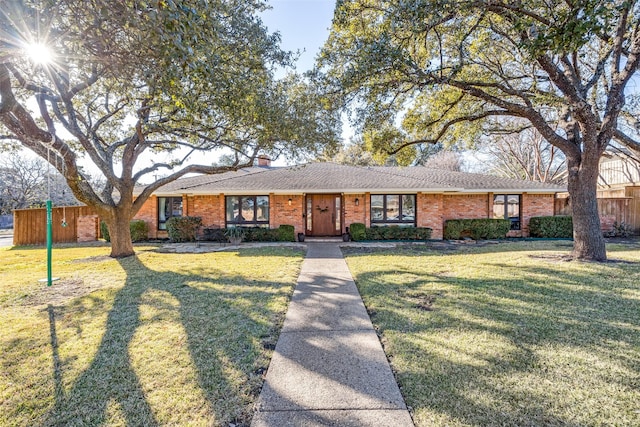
{"x": 324, "y": 215}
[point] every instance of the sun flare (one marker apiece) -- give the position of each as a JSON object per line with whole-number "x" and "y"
{"x": 39, "y": 53}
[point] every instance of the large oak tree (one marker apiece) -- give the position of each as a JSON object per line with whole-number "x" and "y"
{"x": 131, "y": 81}
{"x": 453, "y": 70}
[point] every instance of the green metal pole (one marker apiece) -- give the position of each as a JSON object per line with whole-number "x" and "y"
{"x": 49, "y": 241}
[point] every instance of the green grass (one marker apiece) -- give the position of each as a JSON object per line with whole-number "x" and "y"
{"x": 510, "y": 334}
{"x": 156, "y": 339}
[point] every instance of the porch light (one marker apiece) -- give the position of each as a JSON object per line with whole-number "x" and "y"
{"x": 357, "y": 202}
{"x": 290, "y": 201}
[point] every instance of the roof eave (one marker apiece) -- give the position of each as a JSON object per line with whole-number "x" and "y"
{"x": 236, "y": 192}
{"x": 513, "y": 191}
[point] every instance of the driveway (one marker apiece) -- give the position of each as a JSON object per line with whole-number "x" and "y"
{"x": 6, "y": 238}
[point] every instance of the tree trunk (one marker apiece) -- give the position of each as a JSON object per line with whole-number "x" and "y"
{"x": 120, "y": 234}
{"x": 588, "y": 241}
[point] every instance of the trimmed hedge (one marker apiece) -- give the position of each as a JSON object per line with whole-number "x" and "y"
{"x": 358, "y": 231}
{"x": 398, "y": 233}
{"x": 478, "y": 229}
{"x": 259, "y": 234}
{"x": 213, "y": 234}
{"x": 183, "y": 228}
{"x": 560, "y": 226}
{"x": 286, "y": 233}
{"x": 138, "y": 228}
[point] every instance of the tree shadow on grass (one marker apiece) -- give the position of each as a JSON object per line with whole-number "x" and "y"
{"x": 479, "y": 337}
{"x": 111, "y": 378}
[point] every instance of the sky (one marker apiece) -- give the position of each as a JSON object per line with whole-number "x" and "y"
{"x": 303, "y": 25}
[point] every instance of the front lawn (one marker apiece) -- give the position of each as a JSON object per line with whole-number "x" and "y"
{"x": 156, "y": 339}
{"x": 508, "y": 334}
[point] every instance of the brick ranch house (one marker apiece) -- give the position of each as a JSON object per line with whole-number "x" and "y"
{"x": 323, "y": 199}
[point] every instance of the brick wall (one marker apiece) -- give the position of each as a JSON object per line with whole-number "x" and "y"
{"x": 467, "y": 206}
{"x": 281, "y": 213}
{"x": 606, "y": 223}
{"x": 356, "y": 213}
{"x": 87, "y": 228}
{"x": 149, "y": 214}
{"x": 210, "y": 208}
{"x": 430, "y": 213}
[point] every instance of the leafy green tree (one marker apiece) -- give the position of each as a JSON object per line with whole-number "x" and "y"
{"x": 132, "y": 83}
{"x": 450, "y": 71}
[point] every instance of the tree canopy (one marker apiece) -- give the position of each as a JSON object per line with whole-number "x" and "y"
{"x": 525, "y": 155}
{"x": 28, "y": 182}
{"x": 451, "y": 71}
{"x": 129, "y": 82}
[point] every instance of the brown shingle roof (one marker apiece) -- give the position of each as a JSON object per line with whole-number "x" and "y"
{"x": 331, "y": 177}
{"x": 183, "y": 185}
{"x": 471, "y": 181}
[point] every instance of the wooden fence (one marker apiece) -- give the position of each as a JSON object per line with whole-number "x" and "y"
{"x": 30, "y": 225}
{"x": 634, "y": 208}
{"x": 623, "y": 209}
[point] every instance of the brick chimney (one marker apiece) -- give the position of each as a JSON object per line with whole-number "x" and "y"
{"x": 264, "y": 160}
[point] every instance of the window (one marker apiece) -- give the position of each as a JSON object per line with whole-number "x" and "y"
{"x": 393, "y": 209}
{"x": 168, "y": 207}
{"x": 309, "y": 213}
{"x": 247, "y": 211}
{"x": 507, "y": 206}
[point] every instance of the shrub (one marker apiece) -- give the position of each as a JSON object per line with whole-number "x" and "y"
{"x": 357, "y": 231}
{"x": 183, "y": 228}
{"x": 259, "y": 234}
{"x": 235, "y": 234}
{"x": 621, "y": 229}
{"x": 138, "y": 228}
{"x": 104, "y": 231}
{"x": 398, "y": 233}
{"x": 213, "y": 234}
{"x": 286, "y": 233}
{"x": 560, "y": 226}
{"x": 478, "y": 229}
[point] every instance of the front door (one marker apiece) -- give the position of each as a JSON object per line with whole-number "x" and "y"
{"x": 324, "y": 215}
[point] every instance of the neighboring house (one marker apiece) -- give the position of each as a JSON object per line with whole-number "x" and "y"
{"x": 323, "y": 199}
{"x": 618, "y": 170}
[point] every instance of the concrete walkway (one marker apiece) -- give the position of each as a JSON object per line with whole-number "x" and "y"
{"x": 328, "y": 368}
